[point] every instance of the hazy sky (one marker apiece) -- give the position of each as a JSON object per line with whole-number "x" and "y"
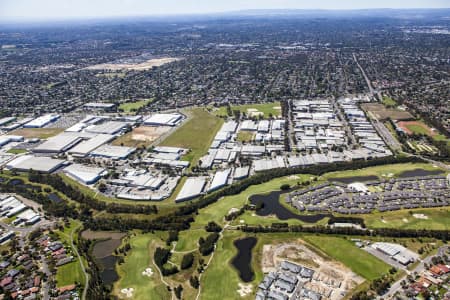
{"x": 44, "y": 9}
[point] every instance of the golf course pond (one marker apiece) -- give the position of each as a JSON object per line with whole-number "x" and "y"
{"x": 271, "y": 206}
{"x": 103, "y": 252}
{"x": 419, "y": 173}
{"x": 243, "y": 259}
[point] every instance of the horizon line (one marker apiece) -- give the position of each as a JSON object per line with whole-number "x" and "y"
{"x": 212, "y": 14}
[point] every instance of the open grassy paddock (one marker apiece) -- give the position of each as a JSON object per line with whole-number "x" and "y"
{"x": 389, "y": 102}
{"x": 359, "y": 261}
{"x": 69, "y": 274}
{"x": 128, "y": 107}
{"x": 267, "y": 109}
{"x": 196, "y": 134}
{"x": 41, "y": 133}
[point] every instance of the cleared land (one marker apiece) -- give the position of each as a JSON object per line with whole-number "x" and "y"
{"x": 264, "y": 109}
{"x": 69, "y": 274}
{"x": 359, "y": 261}
{"x": 141, "y": 136}
{"x": 41, "y": 133}
{"x": 196, "y": 134}
{"x": 382, "y": 112}
{"x": 133, "y": 106}
{"x": 156, "y": 62}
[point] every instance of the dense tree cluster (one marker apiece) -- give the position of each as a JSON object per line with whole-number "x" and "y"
{"x": 161, "y": 257}
{"x": 75, "y": 194}
{"x": 206, "y": 246}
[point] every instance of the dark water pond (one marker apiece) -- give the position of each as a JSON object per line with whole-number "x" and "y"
{"x": 420, "y": 172}
{"x": 106, "y": 261}
{"x": 348, "y": 180}
{"x": 108, "y": 269}
{"x": 272, "y": 206}
{"x": 54, "y": 198}
{"x": 16, "y": 181}
{"x": 243, "y": 259}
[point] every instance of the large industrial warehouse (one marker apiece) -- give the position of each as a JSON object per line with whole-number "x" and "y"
{"x": 37, "y": 163}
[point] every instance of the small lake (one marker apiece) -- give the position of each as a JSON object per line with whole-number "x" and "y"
{"x": 419, "y": 173}
{"x": 103, "y": 252}
{"x": 243, "y": 259}
{"x": 348, "y": 180}
{"x": 272, "y": 206}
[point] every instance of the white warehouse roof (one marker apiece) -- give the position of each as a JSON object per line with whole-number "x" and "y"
{"x": 191, "y": 188}
{"x": 114, "y": 152}
{"x": 83, "y": 148}
{"x": 85, "y": 174}
{"x": 37, "y": 163}
{"x": 219, "y": 180}
{"x": 164, "y": 119}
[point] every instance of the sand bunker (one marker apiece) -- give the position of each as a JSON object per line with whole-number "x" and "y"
{"x": 420, "y": 216}
{"x": 147, "y": 272}
{"x": 127, "y": 292}
{"x": 244, "y": 289}
{"x": 405, "y": 220}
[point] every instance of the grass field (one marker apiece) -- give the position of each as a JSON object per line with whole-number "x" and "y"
{"x": 128, "y": 107}
{"x": 188, "y": 239}
{"x": 41, "y": 133}
{"x": 221, "y": 272}
{"x": 271, "y": 108}
{"x": 17, "y": 151}
{"x": 196, "y": 134}
{"x": 394, "y": 169}
{"x": 359, "y": 261}
{"x": 69, "y": 274}
{"x": 137, "y": 260}
{"x": 245, "y": 136}
{"x": 389, "y": 102}
{"x": 438, "y": 219}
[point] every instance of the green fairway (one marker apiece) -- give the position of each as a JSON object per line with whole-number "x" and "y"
{"x": 220, "y": 271}
{"x": 196, "y": 134}
{"x": 188, "y": 239}
{"x": 138, "y": 259}
{"x": 381, "y": 171}
{"x": 69, "y": 274}
{"x": 267, "y": 109}
{"x": 359, "y": 261}
{"x": 435, "y": 218}
{"x": 217, "y": 211}
{"x": 128, "y": 107}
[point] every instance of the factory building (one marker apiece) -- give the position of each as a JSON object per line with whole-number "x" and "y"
{"x": 84, "y": 174}
{"x": 42, "y": 121}
{"x": 220, "y": 180}
{"x": 164, "y": 120}
{"x": 36, "y": 163}
{"x": 192, "y": 188}
{"x": 113, "y": 152}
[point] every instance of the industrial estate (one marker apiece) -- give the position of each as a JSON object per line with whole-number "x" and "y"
{"x": 219, "y": 168}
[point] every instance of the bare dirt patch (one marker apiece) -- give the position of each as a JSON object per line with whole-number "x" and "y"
{"x": 155, "y": 62}
{"x": 381, "y": 112}
{"x": 331, "y": 278}
{"x": 148, "y": 134}
{"x": 42, "y": 133}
